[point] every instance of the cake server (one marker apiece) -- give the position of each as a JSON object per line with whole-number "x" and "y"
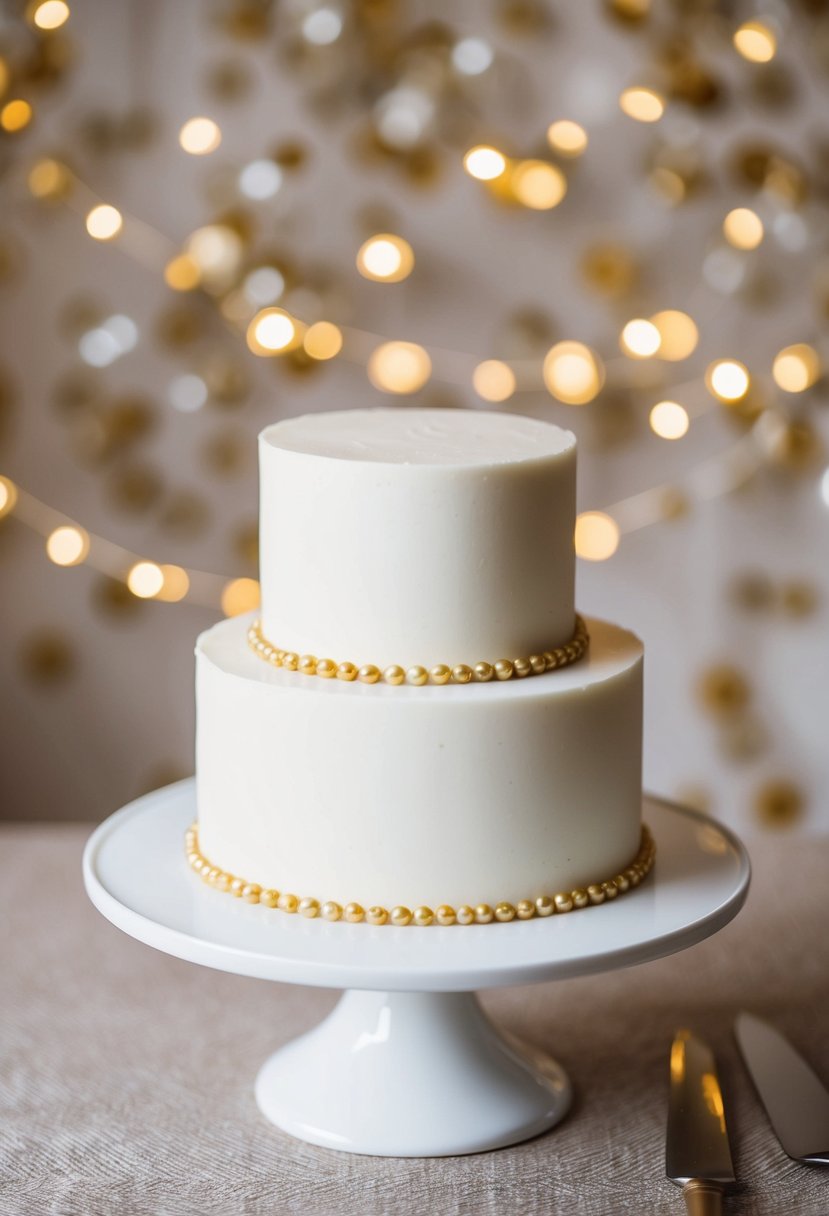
{"x": 697, "y": 1154}
{"x": 796, "y": 1101}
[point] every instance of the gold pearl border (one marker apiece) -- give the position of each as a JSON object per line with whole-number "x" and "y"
{"x": 466, "y": 914}
{"x": 441, "y": 673}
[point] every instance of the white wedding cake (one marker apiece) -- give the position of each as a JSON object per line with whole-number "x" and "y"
{"x": 418, "y": 728}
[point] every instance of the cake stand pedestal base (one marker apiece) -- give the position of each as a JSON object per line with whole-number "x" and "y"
{"x": 419, "y": 1074}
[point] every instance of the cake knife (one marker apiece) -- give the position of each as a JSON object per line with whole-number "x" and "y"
{"x": 796, "y": 1101}
{"x": 697, "y": 1154}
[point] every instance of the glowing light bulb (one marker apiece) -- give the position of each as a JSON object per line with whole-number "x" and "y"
{"x": 572, "y": 373}
{"x": 727, "y": 379}
{"x": 182, "y": 273}
{"x": 104, "y": 222}
{"x": 755, "y": 42}
{"x": 273, "y": 332}
{"x": 796, "y": 368}
{"x": 743, "y": 228}
{"x": 15, "y": 115}
{"x": 145, "y": 580}
{"x": 8, "y": 496}
{"x": 50, "y": 15}
{"x": 385, "y": 258}
{"x": 264, "y": 285}
{"x": 669, "y": 420}
{"x": 199, "y": 136}
{"x": 538, "y": 185}
{"x": 399, "y": 367}
{"x": 678, "y": 334}
{"x": 49, "y": 179}
{"x": 484, "y": 163}
{"x": 260, "y": 179}
{"x": 597, "y": 536}
{"x": 67, "y": 545}
{"x": 240, "y": 595}
{"x": 472, "y": 56}
{"x": 493, "y": 380}
{"x": 566, "y": 137}
{"x": 645, "y": 105}
{"x": 323, "y": 340}
{"x": 175, "y": 585}
{"x": 640, "y": 339}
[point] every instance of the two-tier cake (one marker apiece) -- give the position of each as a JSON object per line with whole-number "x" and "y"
{"x": 418, "y": 728}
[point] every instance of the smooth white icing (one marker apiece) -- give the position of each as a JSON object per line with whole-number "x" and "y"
{"x": 417, "y": 536}
{"x": 404, "y": 795}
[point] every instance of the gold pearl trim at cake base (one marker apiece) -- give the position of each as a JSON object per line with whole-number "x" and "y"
{"x": 445, "y": 914}
{"x": 440, "y": 673}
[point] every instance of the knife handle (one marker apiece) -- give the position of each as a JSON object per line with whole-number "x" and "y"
{"x": 703, "y": 1198}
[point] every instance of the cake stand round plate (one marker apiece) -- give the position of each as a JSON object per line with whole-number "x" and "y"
{"x": 408, "y": 1064}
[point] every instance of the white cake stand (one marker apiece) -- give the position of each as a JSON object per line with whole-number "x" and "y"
{"x": 408, "y": 1064}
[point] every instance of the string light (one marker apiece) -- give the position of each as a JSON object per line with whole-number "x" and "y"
{"x": 182, "y": 273}
{"x": 472, "y": 56}
{"x": 728, "y": 380}
{"x": 273, "y": 331}
{"x": 567, "y": 137}
{"x": 597, "y": 536}
{"x": 678, "y": 334}
{"x": 743, "y": 228}
{"x": 67, "y": 545}
{"x": 755, "y": 42}
{"x": 187, "y": 393}
{"x": 175, "y": 584}
{"x": 49, "y": 179}
{"x": 493, "y": 380}
{"x": 399, "y": 367}
{"x": 50, "y": 15}
{"x": 104, "y": 222}
{"x": 572, "y": 373}
{"x": 322, "y": 27}
{"x": 264, "y": 285}
{"x": 323, "y": 341}
{"x": 145, "y": 580}
{"x": 669, "y": 420}
{"x": 645, "y": 105}
{"x": 796, "y": 368}
{"x": 199, "y": 136}
{"x": 484, "y": 163}
{"x": 385, "y": 258}
{"x": 538, "y": 185}
{"x": 15, "y": 115}
{"x": 240, "y": 595}
{"x": 640, "y": 339}
{"x": 260, "y": 179}
{"x": 217, "y": 251}
{"x": 8, "y": 496}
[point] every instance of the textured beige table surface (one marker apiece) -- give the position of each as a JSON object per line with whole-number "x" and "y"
{"x": 126, "y": 1079}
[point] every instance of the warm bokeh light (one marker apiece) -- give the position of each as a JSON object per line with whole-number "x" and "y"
{"x": 645, "y": 105}
{"x": 49, "y": 179}
{"x": 50, "y": 15}
{"x": 175, "y": 585}
{"x": 566, "y": 137}
{"x": 104, "y": 222}
{"x": 182, "y": 273}
{"x": 264, "y": 285}
{"x": 493, "y": 380}
{"x": 755, "y": 42}
{"x": 240, "y": 595}
{"x": 669, "y": 420}
{"x": 67, "y": 545}
{"x": 484, "y": 163}
{"x": 399, "y": 367}
{"x": 472, "y": 56}
{"x": 323, "y": 340}
{"x": 796, "y": 368}
{"x": 199, "y": 136}
{"x": 8, "y": 496}
{"x": 573, "y": 373}
{"x": 597, "y": 536}
{"x": 678, "y": 334}
{"x": 385, "y": 258}
{"x": 743, "y": 228}
{"x": 727, "y": 379}
{"x": 640, "y": 338}
{"x": 217, "y": 250}
{"x": 273, "y": 331}
{"x": 260, "y": 179}
{"x": 145, "y": 580}
{"x": 538, "y": 185}
{"x": 15, "y": 115}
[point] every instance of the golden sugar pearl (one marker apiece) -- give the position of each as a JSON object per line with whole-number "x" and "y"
{"x": 461, "y": 674}
{"x": 440, "y": 674}
{"x": 353, "y": 913}
{"x": 394, "y": 674}
{"x": 369, "y": 674}
{"x": 544, "y": 906}
{"x": 401, "y": 915}
{"x": 633, "y": 876}
{"x": 417, "y": 675}
{"x": 595, "y": 893}
{"x": 223, "y": 881}
{"x": 538, "y": 664}
{"x": 483, "y": 672}
{"x": 308, "y": 665}
{"x": 423, "y": 915}
{"x": 550, "y": 660}
{"x": 269, "y": 897}
{"x": 251, "y": 892}
{"x": 290, "y": 660}
{"x": 484, "y": 914}
{"x": 213, "y": 875}
{"x": 309, "y": 907}
{"x": 504, "y": 912}
{"x": 465, "y": 915}
{"x": 521, "y": 667}
{"x": 275, "y": 657}
{"x": 580, "y": 898}
{"x": 563, "y": 901}
{"x": 504, "y": 669}
{"x": 445, "y": 915}
{"x": 327, "y": 669}
{"x": 525, "y": 909}
{"x": 287, "y": 902}
{"x": 347, "y": 672}
{"x": 610, "y": 889}
{"x": 377, "y": 915}
{"x": 331, "y": 910}
{"x": 621, "y": 882}
{"x": 237, "y": 886}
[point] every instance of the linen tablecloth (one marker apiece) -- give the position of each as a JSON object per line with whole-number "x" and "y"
{"x": 126, "y": 1080}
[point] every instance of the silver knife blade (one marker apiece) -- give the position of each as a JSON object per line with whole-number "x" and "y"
{"x": 796, "y": 1101}
{"x": 696, "y": 1145}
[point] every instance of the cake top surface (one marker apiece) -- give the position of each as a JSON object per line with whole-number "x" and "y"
{"x": 406, "y": 436}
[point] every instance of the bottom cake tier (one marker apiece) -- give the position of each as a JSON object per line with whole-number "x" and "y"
{"x": 418, "y": 797}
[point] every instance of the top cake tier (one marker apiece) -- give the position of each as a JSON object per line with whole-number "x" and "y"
{"x": 417, "y": 536}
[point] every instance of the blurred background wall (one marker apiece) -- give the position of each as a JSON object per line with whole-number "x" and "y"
{"x": 691, "y": 175}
